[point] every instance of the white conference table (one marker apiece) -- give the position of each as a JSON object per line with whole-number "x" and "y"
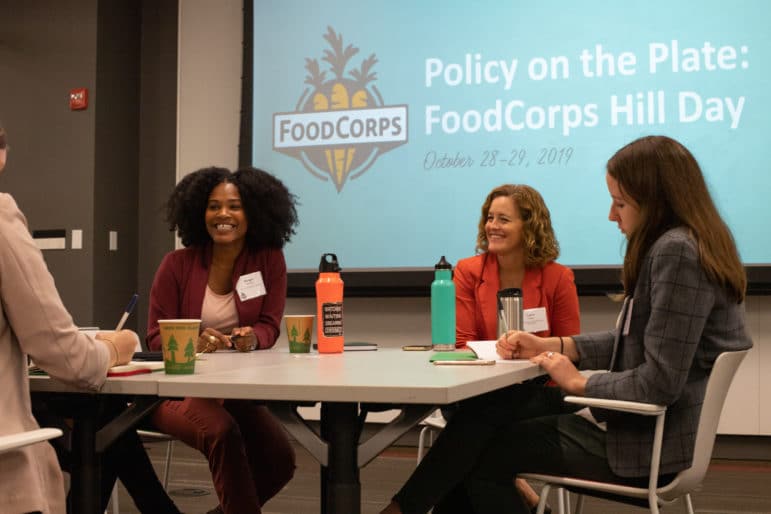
{"x": 405, "y": 380}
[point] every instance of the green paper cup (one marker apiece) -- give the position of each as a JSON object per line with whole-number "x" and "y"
{"x": 299, "y": 332}
{"x": 178, "y": 337}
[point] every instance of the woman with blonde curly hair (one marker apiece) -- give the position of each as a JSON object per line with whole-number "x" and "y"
{"x": 516, "y": 247}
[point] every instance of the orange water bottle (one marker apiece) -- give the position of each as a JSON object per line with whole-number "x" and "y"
{"x": 329, "y": 305}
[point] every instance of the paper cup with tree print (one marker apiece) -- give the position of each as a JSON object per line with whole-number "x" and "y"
{"x": 299, "y": 331}
{"x": 178, "y": 337}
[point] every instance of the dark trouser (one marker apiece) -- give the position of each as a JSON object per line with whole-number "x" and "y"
{"x": 467, "y": 435}
{"x": 249, "y": 453}
{"x": 490, "y": 439}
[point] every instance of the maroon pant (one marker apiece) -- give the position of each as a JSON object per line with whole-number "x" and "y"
{"x": 249, "y": 454}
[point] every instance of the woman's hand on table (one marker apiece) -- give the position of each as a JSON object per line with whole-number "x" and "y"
{"x": 121, "y": 345}
{"x": 516, "y": 344}
{"x": 562, "y": 371}
{"x": 243, "y": 339}
{"x": 211, "y": 340}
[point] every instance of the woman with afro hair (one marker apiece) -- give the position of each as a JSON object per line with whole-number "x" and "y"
{"x": 232, "y": 276}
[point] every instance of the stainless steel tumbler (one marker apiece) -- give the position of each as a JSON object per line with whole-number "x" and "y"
{"x": 509, "y": 310}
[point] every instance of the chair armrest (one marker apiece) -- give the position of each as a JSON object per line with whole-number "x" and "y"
{"x": 644, "y": 409}
{"x": 435, "y": 422}
{"x": 13, "y": 441}
{"x": 152, "y": 434}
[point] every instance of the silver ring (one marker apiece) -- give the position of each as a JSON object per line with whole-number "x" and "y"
{"x": 212, "y": 339}
{"x": 549, "y": 354}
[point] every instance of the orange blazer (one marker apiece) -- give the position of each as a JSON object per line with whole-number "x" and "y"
{"x": 476, "y": 306}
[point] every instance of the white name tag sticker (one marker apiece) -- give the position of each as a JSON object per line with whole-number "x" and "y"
{"x": 535, "y": 320}
{"x": 250, "y": 286}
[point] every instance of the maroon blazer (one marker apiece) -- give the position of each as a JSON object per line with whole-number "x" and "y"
{"x": 180, "y": 284}
{"x": 476, "y": 306}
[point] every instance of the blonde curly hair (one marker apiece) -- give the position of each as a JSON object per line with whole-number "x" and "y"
{"x": 541, "y": 246}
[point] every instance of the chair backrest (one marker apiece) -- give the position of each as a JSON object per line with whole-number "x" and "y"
{"x": 719, "y": 381}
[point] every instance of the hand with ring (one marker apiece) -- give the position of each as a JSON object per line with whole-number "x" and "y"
{"x": 562, "y": 371}
{"x": 243, "y": 339}
{"x": 207, "y": 342}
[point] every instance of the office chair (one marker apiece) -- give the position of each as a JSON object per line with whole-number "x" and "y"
{"x": 687, "y": 480}
{"x": 160, "y": 436}
{"x": 148, "y": 435}
{"x": 433, "y": 423}
{"x": 13, "y": 441}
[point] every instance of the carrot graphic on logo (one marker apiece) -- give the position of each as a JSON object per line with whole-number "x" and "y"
{"x": 340, "y": 125}
{"x": 360, "y": 97}
{"x": 316, "y": 79}
{"x": 338, "y": 58}
{"x": 339, "y": 93}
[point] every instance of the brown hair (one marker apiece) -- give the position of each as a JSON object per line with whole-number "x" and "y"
{"x": 665, "y": 181}
{"x": 3, "y": 139}
{"x": 541, "y": 246}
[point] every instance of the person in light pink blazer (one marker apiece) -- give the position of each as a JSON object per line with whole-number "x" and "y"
{"x": 35, "y": 323}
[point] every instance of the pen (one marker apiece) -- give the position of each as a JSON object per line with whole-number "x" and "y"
{"x": 478, "y": 362}
{"x": 127, "y": 312}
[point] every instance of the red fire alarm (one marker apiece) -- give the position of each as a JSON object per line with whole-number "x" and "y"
{"x": 78, "y": 99}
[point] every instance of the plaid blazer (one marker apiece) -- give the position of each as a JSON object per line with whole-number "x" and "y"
{"x": 679, "y": 323}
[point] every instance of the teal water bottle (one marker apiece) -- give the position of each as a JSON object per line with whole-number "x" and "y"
{"x": 443, "y": 307}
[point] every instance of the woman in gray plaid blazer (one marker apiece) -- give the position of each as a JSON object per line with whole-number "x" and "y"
{"x": 684, "y": 285}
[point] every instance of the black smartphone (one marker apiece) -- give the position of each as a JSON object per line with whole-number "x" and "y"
{"x": 147, "y": 356}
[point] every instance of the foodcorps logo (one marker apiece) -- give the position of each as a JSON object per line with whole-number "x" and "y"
{"x": 340, "y": 125}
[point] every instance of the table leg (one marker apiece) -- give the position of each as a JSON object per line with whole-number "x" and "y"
{"x": 339, "y": 450}
{"x": 340, "y": 486}
{"x": 84, "y": 495}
